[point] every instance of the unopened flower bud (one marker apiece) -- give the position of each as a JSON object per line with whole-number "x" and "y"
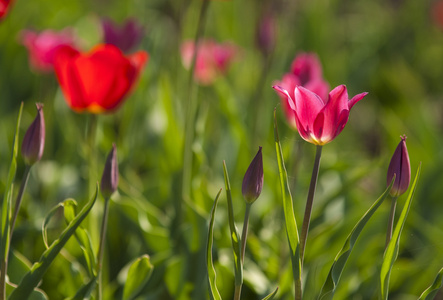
{"x": 401, "y": 167}
{"x": 253, "y": 180}
{"x": 109, "y": 181}
{"x": 34, "y": 140}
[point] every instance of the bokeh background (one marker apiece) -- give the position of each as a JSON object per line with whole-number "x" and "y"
{"x": 391, "y": 49}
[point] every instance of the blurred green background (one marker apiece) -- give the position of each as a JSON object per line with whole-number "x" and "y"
{"x": 391, "y": 49}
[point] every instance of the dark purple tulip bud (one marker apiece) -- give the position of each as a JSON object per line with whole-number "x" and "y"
{"x": 401, "y": 167}
{"x": 109, "y": 181}
{"x": 266, "y": 34}
{"x": 126, "y": 37}
{"x": 253, "y": 180}
{"x": 34, "y": 140}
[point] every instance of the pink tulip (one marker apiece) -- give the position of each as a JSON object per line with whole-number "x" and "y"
{"x": 212, "y": 59}
{"x": 319, "y": 121}
{"x": 42, "y": 47}
{"x": 4, "y": 7}
{"x": 306, "y": 71}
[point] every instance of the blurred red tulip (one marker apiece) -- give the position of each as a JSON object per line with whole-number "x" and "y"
{"x": 306, "y": 71}
{"x": 212, "y": 59}
{"x": 126, "y": 37}
{"x": 98, "y": 81}
{"x": 42, "y": 47}
{"x": 4, "y": 7}
{"x": 319, "y": 121}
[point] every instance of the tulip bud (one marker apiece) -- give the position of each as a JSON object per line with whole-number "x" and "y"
{"x": 401, "y": 167}
{"x": 34, "y": 140}
{"x": 109, "y": 181}
{"x": 253, "y": 180}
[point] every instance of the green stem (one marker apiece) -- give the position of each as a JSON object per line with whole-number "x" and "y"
{"x": 391, "y": 220}
{"x": 101, "y": 249}
{"x": 309, "y": 202}
{"x": 5, "y": 259}
{"x": 244, "y": 236}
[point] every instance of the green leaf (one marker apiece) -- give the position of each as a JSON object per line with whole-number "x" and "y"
{"x": 291, "y": 223}
{"x": 391, "y": 251}
{"x": 138, "y": 275}
{"x": 36, "y": 294}
{"x": 33, "y": 277}
{"x": 431, "y": 291}
{"x": 271, "y": 295}
{"x": 7, "y": 198}
{"x": 214, "y": 294}
{"x": 235, "y": 237}
{"x": 18, "y": 266}
{"x": 85, "y": 291}
{"x": 328, "y": 289}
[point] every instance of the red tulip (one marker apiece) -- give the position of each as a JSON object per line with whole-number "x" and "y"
{"x": 98, "y": 81}
{"x": 212, "y": 59}
{"x": 319, "y": 121}
{"x": 401, "y": 167}
{"x": 306, "y": 71}
{"x": 4, "y": 6}
{"x": 42, "y": 47}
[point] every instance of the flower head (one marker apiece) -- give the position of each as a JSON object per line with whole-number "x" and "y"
{"x": 42, "y": 47}
{"x": 253, "y": 180}
{"x": 212, "y": 59}
{"x": 98, "y": 81}
{"x": 319, "y": 121}
{"x": 109, "y": 180}
{"x": 401, "y": 167}
{"x": 126, "y": 37}
{"x": 34, "y": 141}
{"x": 306, "y": 71}
{"x": 4, "y": 7}
{"x": 266, "y": 34}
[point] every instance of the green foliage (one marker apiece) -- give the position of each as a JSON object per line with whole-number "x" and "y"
{"x": 138, "y": 275}
{"x": 213, "y": 291}
{"x": 431, "y": 291}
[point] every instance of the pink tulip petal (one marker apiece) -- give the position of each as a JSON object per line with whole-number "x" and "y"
{"x": 285, "y": 93}
{"x": 308, "y": 105}
{"x": 355, "y": 99}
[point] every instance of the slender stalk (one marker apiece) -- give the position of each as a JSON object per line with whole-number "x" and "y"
{"x": 101, "y": 249}
{"x": 309, "y": 202}
{"x": 244, "y": 236}
{"x": 5, "y": 259}
{"x": 391, "y": 220}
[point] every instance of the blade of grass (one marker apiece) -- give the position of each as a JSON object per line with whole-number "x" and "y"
{"x": 271, "y": 295}
{"x": 328, "y": 289}
{"x": 235, "y": 236}
{"x": 6, "y": 209}
{"x": 290, "y": 221}
{"x": 391, "y": 251}
{"x": 33, "y": 277}
{"x": 214, "y": 293}
{"x": 431, "y": 291}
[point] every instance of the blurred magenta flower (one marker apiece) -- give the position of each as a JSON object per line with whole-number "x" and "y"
{"x": 306, "y": 71}
{"x": 253, "y": 180}
{"x": 109, "y": 180}
{"x": 42, "y": 47}
{"x": 319, "y": 121}
{"x": 437, "y": 13}
{"x": 97, "y": 81}
{"x": 34, "y": 141}
{"x": 4, "y": 7}
{"x": 126, "y": 36}
{"x": 266, "y": 34}
{"x": 400, "y": 166}
{"x": 212, "y": 59}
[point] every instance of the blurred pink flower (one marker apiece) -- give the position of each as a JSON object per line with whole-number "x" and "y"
{"x": 4, "y": 7}
{"x": 306, "y": 71}
{"x": 320, "y": 121}
{"x": 437, "y": 13}
{"x": 212, "y": 59}
{"x": 42, "y": 47}
{"x": 126, "y": 37}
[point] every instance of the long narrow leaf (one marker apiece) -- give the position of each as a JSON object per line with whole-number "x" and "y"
{"x": 271, "y": 295}
{"x": 291, "y": 223}
{"x": 138, "y": 276}
{"x": 36, "y": 294}
{"x": 33, "y": 277}
{"x": 214, "y": 294}
{"x": 431, "y": 291}
{"x": 7, "y": 198}
{"x": 328, "y": 289}
{"x": 391, "y": 251}
{"x": 235, "y": 236}
{"x": 86, "y": 290}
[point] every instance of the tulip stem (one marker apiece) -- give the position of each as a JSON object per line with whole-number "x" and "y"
{"x": 391, "y": 220}
{"x": 309, "y": 202}
{"x": 101, "y": 249}
{"x": 5, "y": 258}
{"x": 244, "y": 236}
